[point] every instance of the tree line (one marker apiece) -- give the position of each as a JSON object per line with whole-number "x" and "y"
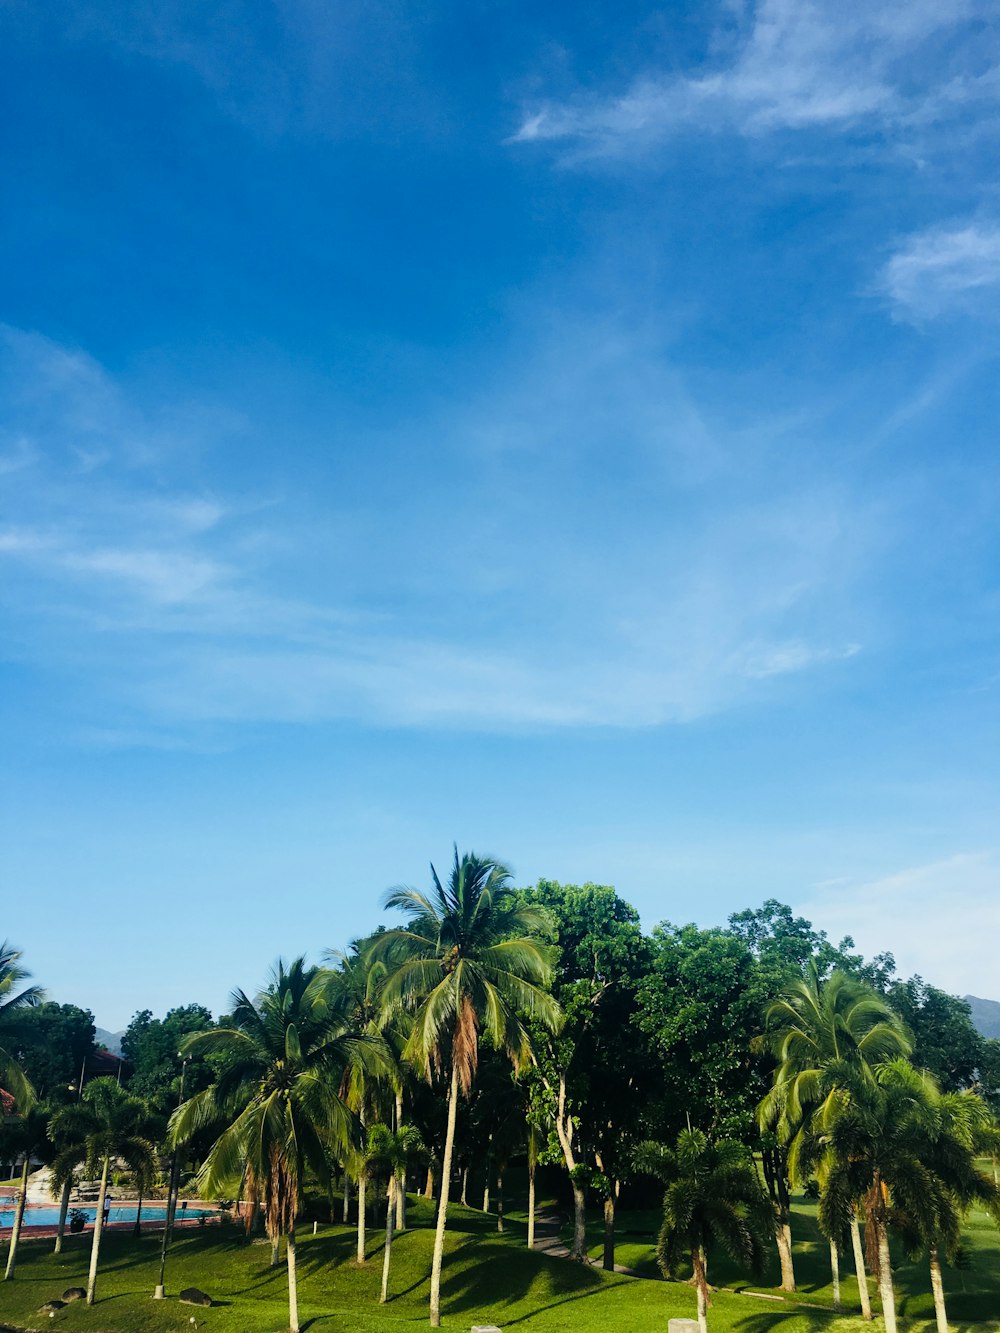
{"x": 542, "y": 1025}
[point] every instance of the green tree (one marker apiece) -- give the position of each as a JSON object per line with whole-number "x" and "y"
{"x": 392, "y": 1151}
{"x": 278, "y": 1098}
{"x": 469, "y": 963}
{"x": 68, "y": 1129}
{"x": 15, "y": 1002}
{"x": 54, "y": 1042}
{"x": 152, "y": 1047}
{"x": 713, "y": 1199}
{"x": 27, "y": 1135}
{"x": 117, "y": 1126}
{"x": 823, "y": 1035}
{"x": 945, "y": 1040}
{"x": 590, "y": 1078}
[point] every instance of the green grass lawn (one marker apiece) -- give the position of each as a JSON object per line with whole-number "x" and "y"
{"x": 487, "y": 1279}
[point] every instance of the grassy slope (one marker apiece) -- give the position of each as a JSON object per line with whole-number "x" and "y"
{"x": 487, "y": 1279}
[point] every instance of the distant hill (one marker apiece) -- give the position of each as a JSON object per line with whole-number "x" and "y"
{"x": 985, "y": 1015}
{"x": 112, "y": 1041}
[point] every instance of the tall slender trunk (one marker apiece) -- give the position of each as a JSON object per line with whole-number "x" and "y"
{"x": 95, "y": 1246}
{"x": 579, "y": 1249}
{"x": 362, "y": 1212}
{"x": 531, "y": 1205}
{"x": 293, "y": 1285}
{"x": 486, "y": 1181}
{"x": 275, "y": 1250}
{"x": 835, "y": 1274}
{"x": 859, "y": 1268}
{"x": 499, "y": 1198}
{"x": 442, "y": 1217}
{"x": 701, "y": 1286}
{"x": 609, "y": 1233}
{"x": 347, "y": 1197}
{"x": 401, "y": 1178}
{"x": 390, "y": 1214}
{"x": 67, "y": 1190}
{"x": 137, "y": 1229}
{"x": 783, "y": 1237}
{"x": 937, "y": 1287}
{"x": 429, "y": 1183}
{"x": 885, "y": 1287}
{"x": 15, "y": 1234}
{"x": 464, "y": 1200}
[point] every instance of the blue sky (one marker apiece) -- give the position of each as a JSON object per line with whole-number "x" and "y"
{"x": 570, "y": 433}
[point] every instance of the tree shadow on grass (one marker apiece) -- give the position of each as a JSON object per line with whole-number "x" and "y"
{"x": 765, "y": 1321}
{"x": 491, "y": 1280}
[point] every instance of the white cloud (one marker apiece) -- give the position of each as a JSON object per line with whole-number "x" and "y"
{"x": 943, "y": 269}
{"x": 799, "y": 64}
{"x": 941, "y": 920}
{"x": 603, "y": 584}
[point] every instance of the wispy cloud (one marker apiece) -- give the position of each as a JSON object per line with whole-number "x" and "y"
{"x": 941, "y": 919}
{"x": 944, "y": 269}
{"x": 796, "y": 65}
{"x": 602, "y": 583}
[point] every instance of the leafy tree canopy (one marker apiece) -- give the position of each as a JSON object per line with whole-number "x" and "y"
{"x": 152, "y": 1047}
{"x": 53, "y": 1042}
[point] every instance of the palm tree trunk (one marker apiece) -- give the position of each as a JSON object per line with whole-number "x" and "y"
{"x": 783, "y": 1237}
{"x": 362, "y": 1218}
{"x": 95, "y": 1245}
{"x": 835, "y": 1274}
{"x": 67, "y": 1189}
{"x": 937, "y": 1287}
{"x": 293, "y": 1285}
{"x": 390, "y": 1214}
{"x": 531, "y": 1205}
{"x": 701, "y": 1286}
{"x": 401, "y": 1180}
{"x": 500, "y": 1198}
{"x": 15, "y": 1234}
{"x": 442, "y": 1217}
{"x": 429, "y": 1183}
{"x": 885, "y": 1279}
{"x": 464, "y": 1200}
{"x": 275, "y": 1250}
{"x": 859, "y": 1268}
{"x": 137, "y": 1229}
{"x": 347, "y": 1197}
{"x": 609, "y": 1233}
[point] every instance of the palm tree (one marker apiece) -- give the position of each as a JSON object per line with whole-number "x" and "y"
{"x": 279, "y": 1098}
{"x": 68, "y": 1130}
{"x": 467, "y": 964}
{"x": 119, "y": 1126}
{"x": 12, "y": 1002}
{"x": 27, "y": 1134}
{"x": 713, "y": 1198}
{"x": 963, "y": 1130}
{"x": 392, "y": 1150}
{"x": 874, "y": 1138}
{"x": 821, "y": 1033}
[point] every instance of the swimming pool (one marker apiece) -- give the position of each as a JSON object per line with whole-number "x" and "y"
{"x": 44, "y": 1216}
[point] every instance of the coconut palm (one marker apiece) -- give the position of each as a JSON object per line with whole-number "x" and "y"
{"x": 14, "y": 999}
{"x": 112, "y": 1125}
{"x": 821, "y": 1033}
{"x": 713, "y": 1199}
{"x": 391, "y": 1151}
{"x": 468, "y": 964}
{"x": 279, "y": 1100}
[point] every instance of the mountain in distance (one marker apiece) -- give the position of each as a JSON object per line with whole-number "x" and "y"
{"x": 985, "y": 1015}
{"x": 112, "y": 1041}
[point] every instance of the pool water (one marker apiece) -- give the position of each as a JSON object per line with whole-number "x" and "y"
{"x": 49, "y": 1217}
